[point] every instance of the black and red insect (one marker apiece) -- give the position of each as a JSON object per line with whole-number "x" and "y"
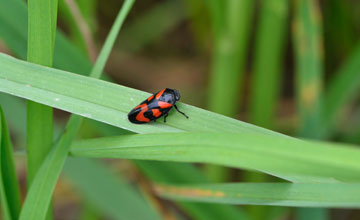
{"x": 156, "y": 106}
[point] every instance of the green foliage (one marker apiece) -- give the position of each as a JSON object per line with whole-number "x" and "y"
{"x": 41, "y": 39}
{"x": 281, "y": 194}
{"x": 100, "y": 100}
{"x": 88, "y": 175}
{"x": 9, "y": 186}
{"x": 290, "y": 159}
{"x": 309, "y": 68}
{"x": 39, "y": 194}
{"x": 269, "y": 52}
{"x": 321, "y": 171}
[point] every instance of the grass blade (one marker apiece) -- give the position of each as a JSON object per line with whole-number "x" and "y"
{"x": 231, "y": 27}
{"x": 177, "y": 173}
{"x": 39, "y": 194}
{"x": 101, "y": 101}
{"x": 267, "y": 62}
{"x": 337, "y": 195}
{"x": 342, "y": 88}
{"x": 291, "y": 159}
{"x": 41, "y": 38}
{"x": 42, "y": 17}
{"x": 309, "y": 70}
{"x": 231, "y": 23}
{"x": 9, "y": 186}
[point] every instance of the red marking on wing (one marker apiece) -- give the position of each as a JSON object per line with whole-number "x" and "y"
{"x": 156, "y": 112}
{"x": 139, "y": 106}
{"x": 140, "y": 116}
{"x": 159, "y": 94}
{"x": 151, "y": 97}
{"x": 164, "y": 104}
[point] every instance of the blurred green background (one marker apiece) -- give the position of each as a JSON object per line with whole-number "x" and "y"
{"x": 289, "y": 66}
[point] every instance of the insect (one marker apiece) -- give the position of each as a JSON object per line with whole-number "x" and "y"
{"x": 156, "y": 106}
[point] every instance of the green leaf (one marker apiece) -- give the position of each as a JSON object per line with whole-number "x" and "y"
{"x": 103, "y": 101}
{"x": 108, "y": 193}
{"x": 42, "y": 17}
{"x": 181, "y": 173}
{"x": 343, "y": 88}
{"x": 307, "y": 35}
{"x": 41, "y": 39}
{"x": 291, "y": 159}
{"x": 335, "y": 195}
{"x": 9, "y": 186}
{"x": 270, "y": 42}
{"x": 268, "y": 60}
{"x": 231, "y": 23}
{"x": 13, "y": 30}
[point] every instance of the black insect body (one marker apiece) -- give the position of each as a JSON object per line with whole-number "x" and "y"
{"x": 155, "y": 106}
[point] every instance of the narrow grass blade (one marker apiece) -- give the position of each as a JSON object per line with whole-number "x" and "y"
{"x": 111, "y": 195}
{"x": 41, "y": 39}
{"x": 335, "y": 195}
{"x": 231, "y": 22}
{"x": 343, "y": 88}
{"x": 103, "y": 101}
{"x": 40, "y": 193}
{"x": 269, "y": 51}
{"x": 9, "y": 186}
{"x": 291, "y": 159}
{"x": 309, "y": 67}
{"x": 42, "y": 19}
{"x": 179, "y": 173}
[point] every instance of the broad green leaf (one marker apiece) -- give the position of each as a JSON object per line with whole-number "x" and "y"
{"x": 291, "y": 159}
{"x": 39, "y": 195}
{"x": 9, "y": 186}
{"x": 337, "y": 195}
{"x": 110, "y": 194}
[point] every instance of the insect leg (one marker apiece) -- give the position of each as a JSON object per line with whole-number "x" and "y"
{"x": 165, "y": 117}
{"x": 180, "y": 111}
